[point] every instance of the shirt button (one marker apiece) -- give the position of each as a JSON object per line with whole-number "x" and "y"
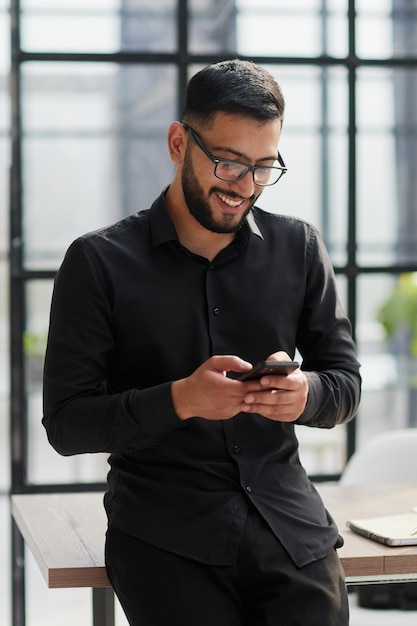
{"x": 236, "y": 449}
{"x": 211, "y": 267}
{"x": 249, "y": 489}
{"x": 216, "y": 310}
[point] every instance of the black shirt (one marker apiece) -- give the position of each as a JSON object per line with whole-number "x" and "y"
{"x": 132, "y": 311}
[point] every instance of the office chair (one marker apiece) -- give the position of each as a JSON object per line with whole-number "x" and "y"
{"x": 390, "y": 457}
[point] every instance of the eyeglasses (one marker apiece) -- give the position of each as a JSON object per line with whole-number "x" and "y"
{"x": 230, "y": 171}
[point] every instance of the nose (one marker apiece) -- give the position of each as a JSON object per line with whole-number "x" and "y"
{"x": 246, "y": 186}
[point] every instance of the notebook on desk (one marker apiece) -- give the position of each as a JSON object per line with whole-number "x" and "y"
{"x": 392, "y": 530}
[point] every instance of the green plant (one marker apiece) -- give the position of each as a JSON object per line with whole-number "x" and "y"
{"x": 34, "y": 344}
{"x": 399, "y": 311}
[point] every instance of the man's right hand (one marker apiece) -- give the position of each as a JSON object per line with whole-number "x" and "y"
{"x": 209, "y": 393}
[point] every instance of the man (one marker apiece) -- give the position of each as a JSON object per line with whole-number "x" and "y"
{"x": 212, "y": 520}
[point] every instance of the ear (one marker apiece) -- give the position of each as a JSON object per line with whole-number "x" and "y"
{"x": 177, "y": 142}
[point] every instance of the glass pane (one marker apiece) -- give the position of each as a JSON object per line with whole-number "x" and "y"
{"x": 212, "y": 26}
{"x": 324, "y": 451}
{"x": 386, "y": 158}
{"x": 389, "y": 395}
{"x": 314, "y": 147}
{"x": 94, "y": 148}
{"x": 297, "y": 29}
{"x": 5, "y": 119}
{"x": 5, "y": 372}
{"x": 63, "y": 606}
{"x": 4, "y": 194}
{"x": 5, "y": 577}
{"x": 38, "y": 299}
{"x": 4, "y": 106}
{"x": 4, "y": 46}
{"x": 268, "y": 27}
{"x": 386, "y": 28}
{"x": 78, "y": 5}
{"x": 95, "y": 26}
{"x": 44, "y": 464}
{"x": 4, "y": 245}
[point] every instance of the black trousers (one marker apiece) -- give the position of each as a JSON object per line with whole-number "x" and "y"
{"x": 265, "y": 588}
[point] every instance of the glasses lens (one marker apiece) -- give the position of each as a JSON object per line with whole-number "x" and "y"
{"x": 230, "y": 170}
{"x": 267, "y": 175}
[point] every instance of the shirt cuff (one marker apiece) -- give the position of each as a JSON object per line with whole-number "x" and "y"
{"x": 309, "y": 415}
{"x": 155, "y": 413}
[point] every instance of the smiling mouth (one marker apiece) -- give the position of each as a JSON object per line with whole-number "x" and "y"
{"x": 234, "y": 204}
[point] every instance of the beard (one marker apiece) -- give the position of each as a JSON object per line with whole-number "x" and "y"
{"x": 199, "y": 207}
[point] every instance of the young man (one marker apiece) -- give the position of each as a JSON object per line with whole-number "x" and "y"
{"x": 211, "y": 517}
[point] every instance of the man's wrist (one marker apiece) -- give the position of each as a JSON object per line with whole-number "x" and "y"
{"x": 178, "y": 399}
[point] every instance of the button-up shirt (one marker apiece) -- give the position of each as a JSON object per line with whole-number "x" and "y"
{"x": 132, "y": 311}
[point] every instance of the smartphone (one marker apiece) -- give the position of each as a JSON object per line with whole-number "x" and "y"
{"x": 270, "y": 367}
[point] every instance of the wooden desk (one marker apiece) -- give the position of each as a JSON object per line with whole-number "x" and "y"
{"x": 65, "y": 533}
{"x": 363, "y": 560}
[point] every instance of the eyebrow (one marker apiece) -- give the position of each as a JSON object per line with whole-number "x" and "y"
{"x": 242, "y": 155}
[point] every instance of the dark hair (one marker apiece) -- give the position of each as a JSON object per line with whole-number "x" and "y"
{"x": 236, "y": 87}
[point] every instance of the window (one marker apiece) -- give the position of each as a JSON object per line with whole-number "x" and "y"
{"x": 97, "y": 84}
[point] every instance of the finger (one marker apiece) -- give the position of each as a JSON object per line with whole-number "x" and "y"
{"x": 229, "y": 363}
{"x": 279, "y": 356}
{"x": 277, "y": 414}
{"x": 272, "y": 397}
{"x": 276, "y": 382}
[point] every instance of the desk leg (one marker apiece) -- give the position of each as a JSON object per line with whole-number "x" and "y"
{"x": 103, "y": 606}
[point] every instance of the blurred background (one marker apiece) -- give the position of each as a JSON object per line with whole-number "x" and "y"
{"x": 87, "y": 91}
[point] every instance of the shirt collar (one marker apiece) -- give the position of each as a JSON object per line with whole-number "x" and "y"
{"x": 253, "y": 225}
{"x": 163, "y": 230}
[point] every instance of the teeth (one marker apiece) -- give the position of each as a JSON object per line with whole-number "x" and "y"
{"x": 229, "y": 201}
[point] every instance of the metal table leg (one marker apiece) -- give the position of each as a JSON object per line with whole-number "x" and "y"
{"x": 103, "y": 606}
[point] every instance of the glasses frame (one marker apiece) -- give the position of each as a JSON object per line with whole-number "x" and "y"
{"x": 246, "y": 168}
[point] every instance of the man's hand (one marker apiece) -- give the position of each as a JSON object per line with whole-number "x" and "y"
{"x": 209, "y": 393}
{"x": 282, "y": 398}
